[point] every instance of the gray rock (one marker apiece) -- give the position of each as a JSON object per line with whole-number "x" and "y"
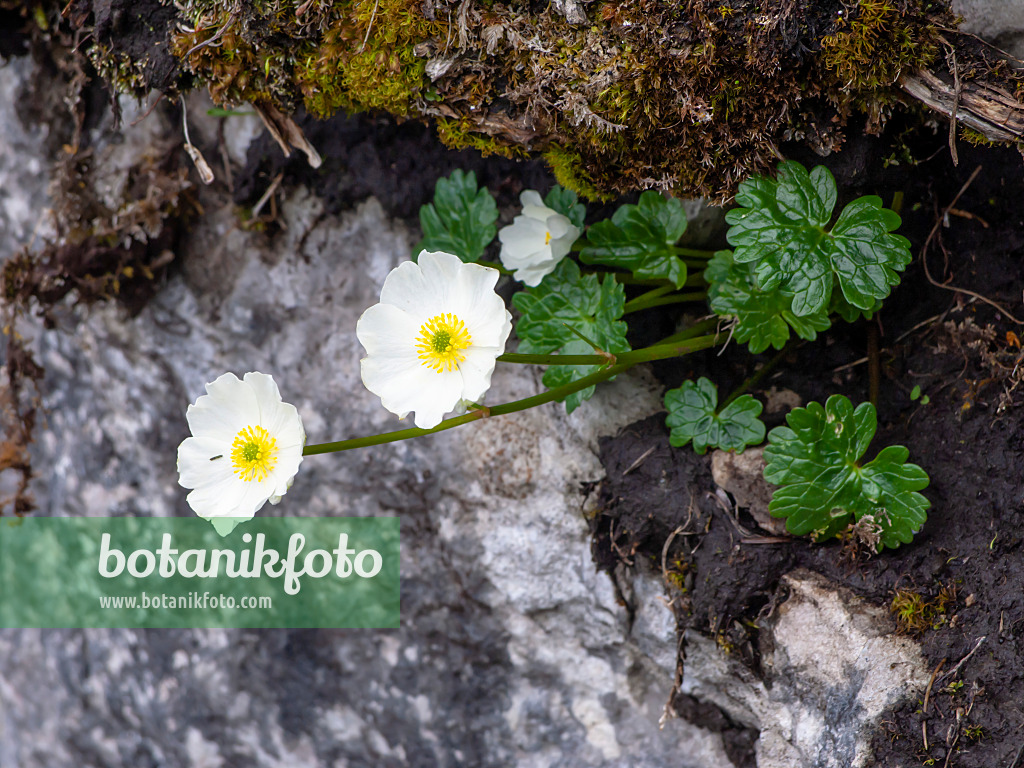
{"x": 833, "y": 667}
{"x": 742, "y": 475}
{"x": 24, "y": 164}
{"x": 513, "y": 649}
{"x": 1001, "y": 22}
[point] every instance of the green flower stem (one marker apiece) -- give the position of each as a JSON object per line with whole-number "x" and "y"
{"x": 666, "y": 349}
{"x": 697, "y": 329}
{"x": 696, "y": 280}
{"x": 625, "y": 361}
{"x": 652, "y": 294}
{"x": 625, "y": 278}
{"x": 524, "y": 359}
{"x": 693, "y": 253}
{"x": 897, "y": 202}
{"x": 754, "y": 379}
{"x": 494, "y": 265}
{"x": 678, "y": 298}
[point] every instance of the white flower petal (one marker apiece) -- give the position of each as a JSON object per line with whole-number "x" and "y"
{"x": 415, "y": 286}
{"x": 197, "y": 462}
{"x": 523, "y": 234}
{"x": 535, "y": 242}
{"x": 559, "y": 226}
{"x": 533, "y": 205}
{"x": 405, "y": 388}
{"x": 476, "y": 371}
{"x": 533, "y": 275}
{"x": 228, "y": 406}
{"x": 531, "y": 197}
{"x": 561, "y": 246}
{"x": 386, "y": 330}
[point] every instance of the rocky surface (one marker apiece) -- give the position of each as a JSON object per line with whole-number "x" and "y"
{"x": 998, "y": 21}
{"x": 513, "y": 648}
{"x": 832, "y": 667}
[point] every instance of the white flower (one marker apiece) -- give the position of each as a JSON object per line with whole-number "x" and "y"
{"x": 535, "y": 241}
{"x": 433, "y": 339}
{"x": 245, "y": 449}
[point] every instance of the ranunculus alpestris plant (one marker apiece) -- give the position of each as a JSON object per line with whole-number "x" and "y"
{"x": 694, "y": 416}
{"x": 781, "y": 225}
{"x": 433, "y": 341}
{"x": 245, "y": 449}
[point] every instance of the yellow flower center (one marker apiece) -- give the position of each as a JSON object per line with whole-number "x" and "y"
{"x": 253, "y": 454}
{"x": 441, "y": 342}
{"x": 547, "y": 238}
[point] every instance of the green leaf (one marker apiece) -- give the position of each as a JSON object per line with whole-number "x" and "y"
{"x": 763, "y": 317}
{"x": 565, "y": 202}
{"x": 823, "y": 488}
{"x": 864, "y": 255}
{"x": 567, "y": 299}
{"x": 847, "y": 311}
{"x": 640, "y": 238}
{"x": 693, "y": 415}
{"x": 461, "y": 220}
{"x": 781, "y": 227}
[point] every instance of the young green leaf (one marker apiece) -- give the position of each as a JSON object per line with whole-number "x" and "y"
{"x": 823, "y": 488}
{"x": 781, "y": 227}
{"x": 566, "y": 299}
{"x": 640, "y": 238}
{"x": 461, "y": 220}
{"x": 693, "y": 415}
{"x": 565, "y": 202}
{"x": 763, "y": 317}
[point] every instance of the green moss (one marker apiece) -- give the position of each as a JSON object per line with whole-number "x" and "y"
{"x": 972, "y": 137}
{"x": 461, "y": 133}
{"x": 120, "y": 70}
{"x": 567, "y": 166}
{"x": 916, "y": 613}
{"x": 875, "y": 44}
{"x": 691, "y": 96}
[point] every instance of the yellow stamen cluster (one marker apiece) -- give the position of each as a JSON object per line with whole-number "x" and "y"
{"x": 547, "y": 238}
{"x": 253, "y": 454}
{"x": 441, "y": 342}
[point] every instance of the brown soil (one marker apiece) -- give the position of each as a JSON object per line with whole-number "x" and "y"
{"x": 966, "y": 564}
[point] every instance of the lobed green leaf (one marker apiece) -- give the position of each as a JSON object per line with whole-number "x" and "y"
{"x": 693, "y": 415}
{"x": 763, "y": 317}
{"x": 641, "y": 238}
{"x": 781, "y": 227}
{"x": 823, "y": 488}
{"x": 461, "y": 220}
{"x": 567, "y": 299}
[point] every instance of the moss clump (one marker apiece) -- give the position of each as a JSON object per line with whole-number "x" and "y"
{"x": 875, "y": 42}
{"x": 916, "y": 613}
{"x": 687, "y": 95}
{"x": 568, "y": 168}
{"x": 367, "y": 59}
{"x": 348, "y": 55}
{"x": 460, "y": 133}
